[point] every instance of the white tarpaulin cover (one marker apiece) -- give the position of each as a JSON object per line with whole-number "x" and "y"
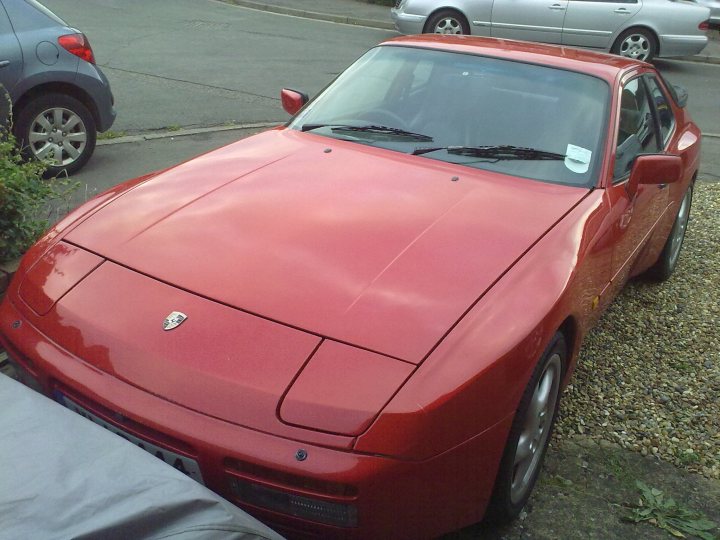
{"x": 63, "y": 477}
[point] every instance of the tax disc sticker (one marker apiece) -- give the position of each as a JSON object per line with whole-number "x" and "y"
{"x": 577, "y": 158}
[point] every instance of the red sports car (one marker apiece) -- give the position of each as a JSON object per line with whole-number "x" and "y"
{"x": 359, "y": 324}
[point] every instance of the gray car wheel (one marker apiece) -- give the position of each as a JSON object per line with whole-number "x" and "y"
{"x": 447, "y": 21}
{"x": 57, "y": 130}
{"x": 668, "y": 259}
{"x": 529, "y": 435}
{"x": 636, "y": 43}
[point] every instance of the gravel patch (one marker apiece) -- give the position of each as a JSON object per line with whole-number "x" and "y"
{"x": 648, "y": 376}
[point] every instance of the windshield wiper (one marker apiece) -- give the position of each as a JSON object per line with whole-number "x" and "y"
{"x": 497, "y": 152}
{"x": 372, "y": 128}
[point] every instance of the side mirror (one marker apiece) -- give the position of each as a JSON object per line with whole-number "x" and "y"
{"x": 654, "y": 169}
{"x": 292, "y": 100}
{"x": 681, "y": 95}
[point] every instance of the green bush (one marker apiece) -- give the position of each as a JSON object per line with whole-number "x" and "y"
{"x": 25, "y": 197}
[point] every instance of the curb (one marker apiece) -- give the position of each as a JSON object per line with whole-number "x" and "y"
{"x": 353, "y": 21}
{"x": 370, "y": 23}
{"x": 698, "y": 59}
{"x": 170, "y": 134}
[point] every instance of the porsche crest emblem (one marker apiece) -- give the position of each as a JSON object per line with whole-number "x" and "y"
{"x": 174, "y": 320}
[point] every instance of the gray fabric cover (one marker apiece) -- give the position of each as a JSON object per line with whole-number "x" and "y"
{"x": 61, "y": 476}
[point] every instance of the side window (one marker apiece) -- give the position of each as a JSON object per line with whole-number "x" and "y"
{"x": 663, "y": 108}
{"x": 636, "y": 133}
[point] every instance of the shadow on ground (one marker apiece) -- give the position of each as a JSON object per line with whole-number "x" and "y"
{"x": 583, "y": 489}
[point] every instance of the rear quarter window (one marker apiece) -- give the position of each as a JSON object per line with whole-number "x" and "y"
{"x": 45, "y": 11}
{"x": 30, "y": 15}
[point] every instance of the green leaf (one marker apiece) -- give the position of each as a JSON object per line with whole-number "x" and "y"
{"x": 25, "y": 197}
{"x": 702, "y": 524}
{"x": 665, "y": 513}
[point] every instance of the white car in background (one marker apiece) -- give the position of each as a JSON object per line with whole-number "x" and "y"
{"x": 641, "y": 29}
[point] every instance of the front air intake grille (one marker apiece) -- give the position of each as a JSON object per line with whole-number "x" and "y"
{"x": 336, "y": 513}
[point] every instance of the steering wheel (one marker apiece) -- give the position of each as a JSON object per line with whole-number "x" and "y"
{"x": 385, "y": 117}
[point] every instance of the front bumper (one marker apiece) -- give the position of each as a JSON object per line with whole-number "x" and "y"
{"x": 407, "y": 23}
{"x": 390, "y": 498}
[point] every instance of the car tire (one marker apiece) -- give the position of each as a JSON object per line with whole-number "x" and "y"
{"x": 447, "y": 21}
{"x": 668, "y": 259}
{"x": 529, "y": 435}
{"x": 637, "y": 43}
{"x": 58, "y": 130}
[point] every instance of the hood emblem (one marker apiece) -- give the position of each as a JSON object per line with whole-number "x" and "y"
{"x": 174, "y": 320}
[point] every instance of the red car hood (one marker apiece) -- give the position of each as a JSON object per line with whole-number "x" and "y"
{"x": 370, "y": 247}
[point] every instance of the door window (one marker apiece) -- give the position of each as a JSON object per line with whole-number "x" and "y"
{"x": 636, "y": 131}
{"x": 662, "y": 106}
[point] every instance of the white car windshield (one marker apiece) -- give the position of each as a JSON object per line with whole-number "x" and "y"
{"x": 511, "y": 117}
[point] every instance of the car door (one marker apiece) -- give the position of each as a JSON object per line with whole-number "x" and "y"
{"x": 592, "y": 23}
{"x": 11, "y": 61}
{"x": 531, "y": 20}
{"x": 635, "y": 214}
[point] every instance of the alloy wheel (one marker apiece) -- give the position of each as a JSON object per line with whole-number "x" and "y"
{"x": 57, "y": 136}
{"x": 678, "y": 231}
{"x": 448, "y": 25}
{"x": 536, "y": 429}
{"x": 635, "y": 46}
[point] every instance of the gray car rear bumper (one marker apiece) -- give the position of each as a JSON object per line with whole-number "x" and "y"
{"x": 93, "y": 81}
{"x": 673, "y": 45}
{"x": 406, "y": 23}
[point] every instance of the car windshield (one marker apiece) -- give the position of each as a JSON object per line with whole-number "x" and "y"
{"x": 515, "y": 118}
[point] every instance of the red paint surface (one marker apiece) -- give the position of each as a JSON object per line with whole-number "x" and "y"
{"x": 342, "y": 389}
{"x": 317, "y": 283}
{"x": 59, "y": 269}
{"x": 327, "y": 242}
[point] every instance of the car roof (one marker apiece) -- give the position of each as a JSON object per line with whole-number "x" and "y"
{"x": 31, "y": 15}
{"x": 601, "y": 65}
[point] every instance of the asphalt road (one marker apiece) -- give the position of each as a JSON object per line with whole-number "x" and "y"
{"x": 702, "y": 82}
{"x": 190, "y": 63}
{"x": 202, "y": 63}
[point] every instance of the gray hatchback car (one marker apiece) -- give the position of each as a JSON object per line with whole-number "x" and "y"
{"x": 60, "y": 98}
